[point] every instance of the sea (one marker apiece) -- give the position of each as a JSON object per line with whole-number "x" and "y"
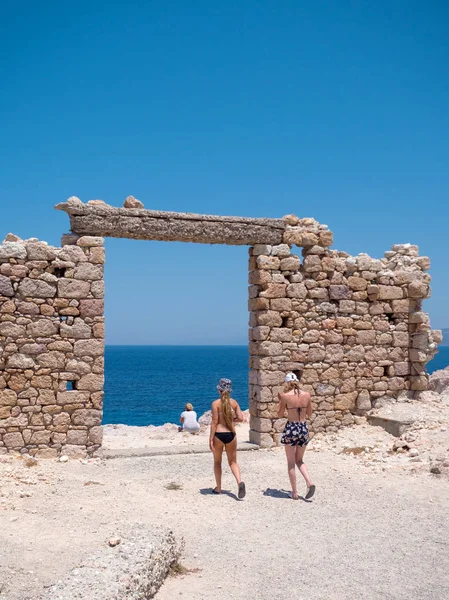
{"x": 149, "y": 385}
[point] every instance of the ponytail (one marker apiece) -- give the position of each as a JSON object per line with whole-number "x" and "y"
{"x": 226, "y": 409}
{"x": 292, "y": 385}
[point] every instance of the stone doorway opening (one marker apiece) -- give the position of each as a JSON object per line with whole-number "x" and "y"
{"x": 179, "y": 335}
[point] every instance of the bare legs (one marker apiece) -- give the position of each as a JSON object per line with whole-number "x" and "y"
{"x": 218, "y": 452}
{"x": 295, "y": 455}
{"x": 231, "y": 453}
{"x": 290, "y": 452}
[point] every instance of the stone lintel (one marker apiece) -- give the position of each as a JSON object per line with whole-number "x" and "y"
{"x": 142, "y": 224}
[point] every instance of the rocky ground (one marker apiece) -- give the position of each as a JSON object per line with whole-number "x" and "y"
{"x": 380, "y": 514}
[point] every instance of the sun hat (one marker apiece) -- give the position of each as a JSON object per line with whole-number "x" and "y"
{"x": 224, "y": 385}
{"x": 290, "y": 377}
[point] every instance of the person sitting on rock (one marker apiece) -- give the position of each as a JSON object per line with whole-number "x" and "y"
{"x": 189, "y": 420}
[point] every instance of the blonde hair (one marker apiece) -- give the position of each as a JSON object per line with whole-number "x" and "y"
{"x": 226, "y": 409}
{"x": 189, "y": 406}
{"x": 292, "y": 385}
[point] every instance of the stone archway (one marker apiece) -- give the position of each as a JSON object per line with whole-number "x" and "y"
{"x": 352, "y": 327}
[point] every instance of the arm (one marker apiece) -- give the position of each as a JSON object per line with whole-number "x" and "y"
{"x": 238, "y": 412}
{"x": 309, "y": 408}
{"x": 181, "y": 420}
{"x": 281, "y": 408}
{"x": 213, "y": 426}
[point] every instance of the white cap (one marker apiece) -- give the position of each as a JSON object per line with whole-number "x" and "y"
{"x": 290, "y": 377}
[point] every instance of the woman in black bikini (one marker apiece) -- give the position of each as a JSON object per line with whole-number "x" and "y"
{"x": 296, "y": 433}
{"x": 225, "y": 411}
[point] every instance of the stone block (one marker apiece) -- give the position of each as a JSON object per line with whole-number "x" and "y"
{"x": 325, "y": 238}
{"x": 72, "y": 397}
{"x": 281, "y": 250}
{"x": 40, "y": 437}
{"x": 281, "y": 304}
{"x": 40, "y": 251}
{"x": 418, "y": 289}
{"x": 347, "y": 306}
{"x": 13, "y": 441}
{"x": 390, "y": 292}
{"x": 281, "y": 334}
{"x": 401, "y": 339}
{"x": 77, "y": 437}
{"x": 42, "y": 328}
{"x": 94, "y": 348}
{"x": 297, "y": 290}
{"x": 274, "y": 290}
{"x": 87, "y": 241}
{"x": 345, "y": 401}
{"x": 35, "y": 288}
{"x": 87, "y": 417}
{"x": 270, "y": 349}
{"x": 401, "y": 306}
{"x": 91, "y": 383}
{"x": 88, "y": 272}
{"x": 91, "y": 308}
{"x": 20, "y": 361}
{"x": 366, "y": 337}
{"x": 79, "y": 330}
{"x": 419, "y": 382}
{"x": 269, "y": 317}
{"x": 95, "y": 435}
{"x": 259, "y": 277}
{"x": 12, "y": 330}
{"x": 261, "y": 249}
{"x": 12, "y": 250}
{"x": 340, "y": 292}
{"x": 73, "y": 288}
{"x": 268, "y": 262}
{"x": 292, "y": 263}
{"x": 264, "y": 440}
{"x": 6, "y": 288}
{"x": 357, "y": 284}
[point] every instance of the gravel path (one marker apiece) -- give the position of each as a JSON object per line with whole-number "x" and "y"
{"x": 365, "y": 534}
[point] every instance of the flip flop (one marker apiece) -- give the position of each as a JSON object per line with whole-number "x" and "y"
{"x": 310, "y": 492}
{"x": 242, "y": 490}
{"x": 214, "y": 491}
{"x": 291, "y": 496}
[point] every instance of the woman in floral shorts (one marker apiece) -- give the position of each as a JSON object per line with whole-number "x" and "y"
{"x": 296, "y": 433}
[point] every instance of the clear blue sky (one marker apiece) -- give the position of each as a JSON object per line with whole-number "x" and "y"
{"x": 336, "y": 110}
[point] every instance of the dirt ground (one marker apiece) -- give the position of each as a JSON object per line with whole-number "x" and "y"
{"x": 376, "y": 528}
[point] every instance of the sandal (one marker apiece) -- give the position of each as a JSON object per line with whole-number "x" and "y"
{"x": 310, "y": 492}
{"x": 214, "y": 491}
{"x": 242, "y": 490}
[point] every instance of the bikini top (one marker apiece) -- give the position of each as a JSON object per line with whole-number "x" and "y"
{"x": 298, "y": 408}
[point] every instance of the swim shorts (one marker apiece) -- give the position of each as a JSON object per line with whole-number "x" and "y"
{"x": 296, "y": 433}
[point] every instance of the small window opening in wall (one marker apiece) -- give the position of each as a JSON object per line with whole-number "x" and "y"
{"x": 71, "y": 386}
{"x": 298, "y": 374}
{"x": 59, "y": 272}
{"x": 63, "y": 319}
{"x": 285, "y": 321}
{"x": 391, "y": 318}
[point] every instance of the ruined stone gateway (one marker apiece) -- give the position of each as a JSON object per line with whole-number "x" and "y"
{"x": 351, "y": 328}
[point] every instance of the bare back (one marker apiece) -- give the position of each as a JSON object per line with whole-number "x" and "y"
{"x": 218, "y": 417}
{"x": 297, "y": 404}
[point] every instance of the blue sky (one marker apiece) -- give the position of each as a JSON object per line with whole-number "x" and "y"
{"x": 333, "y": 110}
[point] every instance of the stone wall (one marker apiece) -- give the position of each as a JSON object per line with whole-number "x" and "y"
{"x": 51, "y": 346}
{"x": 351, "y": 328}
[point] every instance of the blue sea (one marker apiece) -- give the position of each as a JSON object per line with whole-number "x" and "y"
{"x": 149, "y": 385}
